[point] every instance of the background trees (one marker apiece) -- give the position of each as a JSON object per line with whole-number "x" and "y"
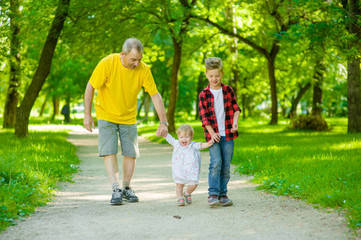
{"x": 282, "y": 57}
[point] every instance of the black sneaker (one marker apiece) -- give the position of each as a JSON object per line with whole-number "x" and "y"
{"x": 129, "y": 195}
{"x": 116, "y": 197}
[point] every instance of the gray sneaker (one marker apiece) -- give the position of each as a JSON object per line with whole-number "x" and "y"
{"x": 213, "y": 201}
{"x": 116, "y": 197}
{"x": 225, "y": 201}
{"x": 129, "y": 195}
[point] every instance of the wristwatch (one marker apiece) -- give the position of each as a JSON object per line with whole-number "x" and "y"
{"x": 166, "y": 123}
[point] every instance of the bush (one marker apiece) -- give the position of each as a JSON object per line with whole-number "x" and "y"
{"x": 309, "y": 122}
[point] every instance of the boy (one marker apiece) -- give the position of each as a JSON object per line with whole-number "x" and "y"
{"x": 219, "y": 113}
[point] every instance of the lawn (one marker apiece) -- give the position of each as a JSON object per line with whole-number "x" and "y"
{"x": 321, "y": 168}
{"x": 30, "y": 170}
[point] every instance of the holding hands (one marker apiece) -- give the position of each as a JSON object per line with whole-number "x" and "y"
{"x": 162, "y": 130}
{"x": 216, "y": 137}
{"x": 207, "y": 144}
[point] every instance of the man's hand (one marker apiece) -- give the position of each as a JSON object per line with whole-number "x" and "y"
{"x": 88, "y": 123}
{"x": 162, "y": 130}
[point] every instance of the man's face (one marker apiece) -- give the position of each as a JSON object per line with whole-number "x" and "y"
{"x": 132, "y": 59}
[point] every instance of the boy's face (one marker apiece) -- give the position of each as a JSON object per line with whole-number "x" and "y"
{"x": 215, "y": 78}
{"x": 184, "y": 138}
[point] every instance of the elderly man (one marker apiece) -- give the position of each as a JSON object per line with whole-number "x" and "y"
{"x": 118, "y": 78}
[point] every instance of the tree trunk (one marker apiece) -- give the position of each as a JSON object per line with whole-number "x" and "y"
{"x": 235, "y": 80}
{"x": 174, "y": 84}
{"x": 272, "y": 78}
{"x": 353, "y": 71}
{"x": 200, "y": 86}
{"x": 270, "y": 56}
{"x": 43, "y": 70}
{"x": 12, "y": 95}
{"x": 244, "y": 99}
{"x": 177, "y": 39}
{"x": 303, "y": 90}
{"x": 146, "y": 107}
{"x": 317, "y": 88}
{"x": 56, "y": 104}
{"x": 230, "y": 24}
{"x": 140, "y": 105}
{"x": 354, "y": 96}
{"x": 43, "y": 106}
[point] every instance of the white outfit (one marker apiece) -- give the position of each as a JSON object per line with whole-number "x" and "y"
{"x": 219, "y": 110}
{"x": 186, "y": 161}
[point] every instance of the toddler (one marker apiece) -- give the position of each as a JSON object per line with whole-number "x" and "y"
{"x": 186, "y": 161}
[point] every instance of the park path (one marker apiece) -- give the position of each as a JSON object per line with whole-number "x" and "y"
{"x": 81, "y": 210}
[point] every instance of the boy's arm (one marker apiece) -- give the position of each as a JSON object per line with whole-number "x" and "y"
{"x": 215, "y": 136}
{"x": 235, "y": 121}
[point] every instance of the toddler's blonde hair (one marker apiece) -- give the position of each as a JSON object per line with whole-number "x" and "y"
{"x": 185, "y": 128}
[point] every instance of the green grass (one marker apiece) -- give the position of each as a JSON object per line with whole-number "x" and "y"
{"x": 322, "y": 168}
{"x": 30, "y": 170}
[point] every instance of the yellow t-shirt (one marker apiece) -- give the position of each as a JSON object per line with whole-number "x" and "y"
{"x": 118, "y": 88}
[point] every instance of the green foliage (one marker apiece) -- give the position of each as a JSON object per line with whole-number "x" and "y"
{"x": 30, "y": 170}
{"x": 309, "y": 122}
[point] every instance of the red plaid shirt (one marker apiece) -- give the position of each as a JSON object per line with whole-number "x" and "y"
{"x": 208, "y": 116}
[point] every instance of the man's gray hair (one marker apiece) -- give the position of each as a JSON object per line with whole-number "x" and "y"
{"x": 131, "y": 43}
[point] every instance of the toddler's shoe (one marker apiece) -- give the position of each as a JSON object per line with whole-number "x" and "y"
{"x": 225, "y": 201}
{"x": 213, "y": 201}
{"x": 180, "y": 202}
{"x": 188, "y": 198}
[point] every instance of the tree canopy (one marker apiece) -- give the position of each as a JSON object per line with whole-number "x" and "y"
{"x": 282, "y": 57}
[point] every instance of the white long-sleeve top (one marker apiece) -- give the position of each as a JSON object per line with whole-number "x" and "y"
{"x": 186, "y": 161}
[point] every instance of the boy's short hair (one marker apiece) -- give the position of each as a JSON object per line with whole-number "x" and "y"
{"x": 214, "y": 63}
{"x": 185, "y": 128}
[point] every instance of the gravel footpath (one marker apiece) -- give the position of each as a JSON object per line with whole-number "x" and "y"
{"x": 81, "y": 210}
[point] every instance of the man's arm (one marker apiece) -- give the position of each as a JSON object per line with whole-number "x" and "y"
{"x": 88, "y": 100}
{"x": 162, "y": 130}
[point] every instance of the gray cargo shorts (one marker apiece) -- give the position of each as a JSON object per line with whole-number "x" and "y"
{"x": 108, "y": 139}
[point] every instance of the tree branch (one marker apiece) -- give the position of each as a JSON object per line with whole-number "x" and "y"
{"x": 261, "y": 50}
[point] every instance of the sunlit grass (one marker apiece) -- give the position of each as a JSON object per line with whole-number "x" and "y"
{"x": 30, "y": 169}
{"x": 322, "y": 168}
